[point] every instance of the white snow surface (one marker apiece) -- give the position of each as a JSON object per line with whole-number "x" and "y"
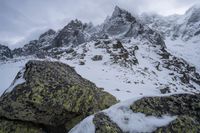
{"x": 16, "y": 82}
{"x": 124, "y": 83}
{"x": 8, "y": 71}
{"x": 126, "y": 119}
{"x": 85, "y": 126}
{"x": 190, "y": 50}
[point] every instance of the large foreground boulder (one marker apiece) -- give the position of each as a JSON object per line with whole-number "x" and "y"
{"x": 52, "y": 94}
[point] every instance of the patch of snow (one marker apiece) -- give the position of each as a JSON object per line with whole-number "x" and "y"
{"x": 16, "y": 82}
{"x": 132, "y": 122}
{"x": 8, "y": 71}
{"x": 85, "y": 126}
{"x": 126, "y": 119}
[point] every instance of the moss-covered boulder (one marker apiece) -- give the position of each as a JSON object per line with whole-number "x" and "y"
{"x": 185, "y": 106}
{"x": 8, "y": 126}
{"x": 52, "y": 94}
{"x": 183, "y": 124}
{"x": 103, "y": 124}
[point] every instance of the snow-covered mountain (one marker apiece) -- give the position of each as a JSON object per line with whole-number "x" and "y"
{"x": 185, "y": 27}
{"x": 127, "y": 56}
{"x": 180, "y": 32}
{"x": 124, "y": 49}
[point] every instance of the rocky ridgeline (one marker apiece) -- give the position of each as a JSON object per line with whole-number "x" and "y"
{"x": 52, "y": 98}
{"x": 185, "y": 27}
{"x": 120, "y": 25}
{"x": 5, "y": 53}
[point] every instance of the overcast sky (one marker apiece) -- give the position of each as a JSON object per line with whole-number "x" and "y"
{"x": 22, "y": 20}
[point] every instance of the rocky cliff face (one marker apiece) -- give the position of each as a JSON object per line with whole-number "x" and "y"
{"x": 5, "y": 53}
{"x": 72, "y": 34}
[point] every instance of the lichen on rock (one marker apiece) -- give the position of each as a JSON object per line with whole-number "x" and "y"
{"x": 103, "y": 124}
{"x": 53, "y": 94}
{"x": 7, "y": 126}
{"x": 185, "y": 106}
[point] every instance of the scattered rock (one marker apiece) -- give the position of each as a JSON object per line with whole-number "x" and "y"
{"x": 118, "y": 45}
{"x": 81, "y": 62}
{"x": 165, "y": 90}
{"x": 97, "y": 58}
{"x": 185, "y": 78}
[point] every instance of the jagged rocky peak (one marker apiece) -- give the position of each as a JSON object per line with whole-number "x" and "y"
{"x": 5, "y": 52}
{"x": 50, "y": 32}
{"x": 123, "y": 25}
{"x": 75, "y": 24}
{"x": 72, "y": 34}
{"x": 118, "y": 12}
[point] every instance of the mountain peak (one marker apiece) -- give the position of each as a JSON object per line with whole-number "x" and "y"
{"x": 119, "y": 12}
{"x": 49, "y": 32}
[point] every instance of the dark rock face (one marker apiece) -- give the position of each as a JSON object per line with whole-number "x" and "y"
{"x": 5, "y": 52}
{"x": 32, "y": 48}
{"x": 118, "y": 45}
{"x": 123, "y": 24}
{"x": 73, "y": 33}
{"x": 185, "y": 106}
{"x": 48, "y": 33}
{"x": 103, "y": 124}
{"x": 53, "y": 94}
{"x": 38, "y": 48}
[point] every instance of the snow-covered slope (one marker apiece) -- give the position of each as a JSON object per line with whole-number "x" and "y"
{"x": 181, "y": 33}
{"x": 185, "y": 27}
{"x": 131, "y": 59}
{"x": 141, "y": 73}
{"x": 8, "y": 71}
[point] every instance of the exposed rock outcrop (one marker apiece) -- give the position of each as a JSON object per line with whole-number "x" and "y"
{"x": 53, "y": 94}
{"x": 185, "y": 106}
{"x": 5, "y": 53}
{"x": 103, "y": 124}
